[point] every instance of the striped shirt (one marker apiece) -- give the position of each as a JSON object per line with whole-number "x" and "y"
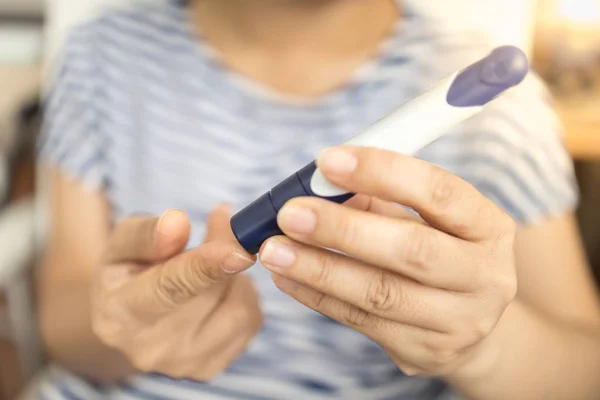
{"x": 143, "y": 110}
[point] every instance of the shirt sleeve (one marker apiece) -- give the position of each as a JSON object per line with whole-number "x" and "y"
{"x": 71, "y": 138}
{"x": 514, "y": 153}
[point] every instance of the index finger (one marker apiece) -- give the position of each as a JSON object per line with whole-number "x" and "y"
{"x": 218, "y": 226}
{"x": 443, "y": 200}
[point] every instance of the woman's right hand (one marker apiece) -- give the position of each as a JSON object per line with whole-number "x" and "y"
{"x": 182, "y": 314}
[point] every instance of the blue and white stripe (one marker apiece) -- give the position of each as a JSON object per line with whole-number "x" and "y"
{"x": 143, "y": 111}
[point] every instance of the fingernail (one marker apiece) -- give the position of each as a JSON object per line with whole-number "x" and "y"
{"x": 161, "y": 219}
{"x": 159, "y": 225}
{"x": 235, "y": 263}
{"x": 297, "y": 219}
{"x": 337, "y": 161}
{"x": 278, "y": 255}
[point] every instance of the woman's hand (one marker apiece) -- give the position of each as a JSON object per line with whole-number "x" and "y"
{"x": 429, "y": 291}
{"x": 182, "y": 314}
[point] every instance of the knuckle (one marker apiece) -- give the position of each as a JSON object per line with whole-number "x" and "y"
{"x": 508, "y": 287}
{"x": 322, "y": 276}
{"x": 144, "y": 361}
{"x": 382, "y": 293}
{"x": 171, "y": 290}
{"x": 346, "y": 232}
{"x": 356, "y": 316}
{"x": 421, "y": 247}
{"x": 198, "y": 269}
{"x": 442, "y": 192}
{"x": 481, "y": 330}
{"x": 444, "y": 359}
{"x": 318, "y": 300}
{"x": 408, "y": 369}
{"x": 440, "y": 357}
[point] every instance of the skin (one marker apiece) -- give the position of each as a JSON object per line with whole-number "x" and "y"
{"x": 143, "y": 289}
{"x": 330, "y": 39}
{"x": 196, "y": 296}
{"x": 439, "y": 293}
{"x": 470, "y": 296}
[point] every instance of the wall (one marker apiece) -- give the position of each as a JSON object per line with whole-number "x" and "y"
{"x": 62, "y": 15}
{"x": 505, "y": 21}
{"x": 22, "y": 7}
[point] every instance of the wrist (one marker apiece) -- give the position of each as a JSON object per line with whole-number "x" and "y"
{"x": 479, "y": 364}
{"x": 485, "y": 359}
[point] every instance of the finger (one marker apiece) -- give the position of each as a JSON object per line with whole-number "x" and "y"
{"x": 376, "y": 291}
{"x": 226, "y": 357}
{"x": 148, "y": 239}
{"x": 238, "y": 316}
{"x": 218, "y": 224}
{"x": 201, "y": 306}
{"x": 161, "y": 289}
{"x": 219, "y": 340}
{"x": 424, "y": 349}
{"x": 412, "y": 249}
{"x": 149, "y": 349}
{"x": 441, "y": 198}
{"x": 199, "y": 368}
{"x": 381, "y": 207}
{"x": 407, "y": 368}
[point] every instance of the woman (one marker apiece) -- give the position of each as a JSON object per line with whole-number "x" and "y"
{"x": 183, "y": 106}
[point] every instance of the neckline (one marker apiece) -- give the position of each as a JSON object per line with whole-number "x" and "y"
{"x": 257, "y": 91}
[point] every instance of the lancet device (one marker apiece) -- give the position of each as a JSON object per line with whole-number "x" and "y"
{"x": 406, "y": 130}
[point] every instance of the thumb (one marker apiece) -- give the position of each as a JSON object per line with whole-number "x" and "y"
{"x": 148, "y": 239}
{"x": 218, "y": 225}
{"x": 159, "y": 290}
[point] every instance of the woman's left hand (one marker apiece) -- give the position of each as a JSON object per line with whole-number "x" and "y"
{"x": 429, "y": 290}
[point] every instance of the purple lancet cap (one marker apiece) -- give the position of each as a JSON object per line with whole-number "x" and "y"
{"x": 483, "y": 81}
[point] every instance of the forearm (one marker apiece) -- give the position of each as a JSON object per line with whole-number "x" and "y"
{"x": 69, "y": 340}
{"x": 530, "y": 357}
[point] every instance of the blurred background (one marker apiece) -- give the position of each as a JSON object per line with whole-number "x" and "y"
{"x": 562, "y": 37}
